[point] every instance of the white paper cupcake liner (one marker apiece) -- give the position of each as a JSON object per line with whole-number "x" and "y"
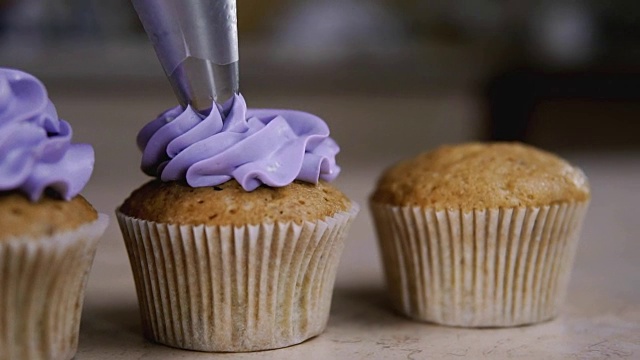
{"x": 482, "y": 268}
{"x": 42, "y": 282}
{"x": 229, "y": 289}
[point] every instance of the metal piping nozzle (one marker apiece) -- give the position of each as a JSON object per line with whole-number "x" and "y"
{"x": 197, "y": 44}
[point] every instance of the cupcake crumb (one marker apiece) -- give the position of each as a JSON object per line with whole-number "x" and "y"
{"x": 229, "y": 204}
{"x": 482, "y": 175}
{"x": 48, "y": 216}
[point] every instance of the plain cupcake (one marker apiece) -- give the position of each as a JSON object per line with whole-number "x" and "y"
{"x": 479, "y": 234}
{"x": 235, "y": 245}
{"x": 48, "y": 232}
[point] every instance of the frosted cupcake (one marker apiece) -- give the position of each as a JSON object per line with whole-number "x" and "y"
{"x": 235, "y": 245}
{"x": 48, "y": 232}
{"x": 479, "y": 234}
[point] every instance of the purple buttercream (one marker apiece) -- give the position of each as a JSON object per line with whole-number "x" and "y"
{"x": 253, "y": 146}
{"x": 35, "y": 146}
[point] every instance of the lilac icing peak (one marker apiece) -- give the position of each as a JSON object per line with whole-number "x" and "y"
{"x": 35, "y": 145}
{"x": 252, "y": 146}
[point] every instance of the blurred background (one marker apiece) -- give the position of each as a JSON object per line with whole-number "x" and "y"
{"x": 556, "y": 73}
{"x": 392, "y": 78}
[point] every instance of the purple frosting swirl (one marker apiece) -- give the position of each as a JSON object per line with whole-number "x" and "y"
{"x": 253, "y": 146}
{"x": 35, "y": 145}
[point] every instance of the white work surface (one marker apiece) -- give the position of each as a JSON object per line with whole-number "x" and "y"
{"x": 600, "y": 319}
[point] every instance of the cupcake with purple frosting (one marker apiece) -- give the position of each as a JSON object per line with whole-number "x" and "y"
{"x": 235, "y": 244}
{"x": 48, "y": 232}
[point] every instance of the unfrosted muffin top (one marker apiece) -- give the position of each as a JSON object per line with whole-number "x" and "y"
{"x": 45, "y": 217}
{"x": 482, "y": 175}
{"x": 229, "y": 204}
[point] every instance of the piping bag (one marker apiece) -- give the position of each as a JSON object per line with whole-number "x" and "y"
{"x": 196, "y": 42}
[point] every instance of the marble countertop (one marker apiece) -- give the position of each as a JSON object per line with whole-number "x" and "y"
{"x": 600, "y": 319}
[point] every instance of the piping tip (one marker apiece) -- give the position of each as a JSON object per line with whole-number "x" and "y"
{"x": 196, "y": 42}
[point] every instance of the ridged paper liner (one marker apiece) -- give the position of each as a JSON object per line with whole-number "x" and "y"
{"x": 42, "y": 282}
{"x": 224, "y": 288}
{"x": 478, "y": 268}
